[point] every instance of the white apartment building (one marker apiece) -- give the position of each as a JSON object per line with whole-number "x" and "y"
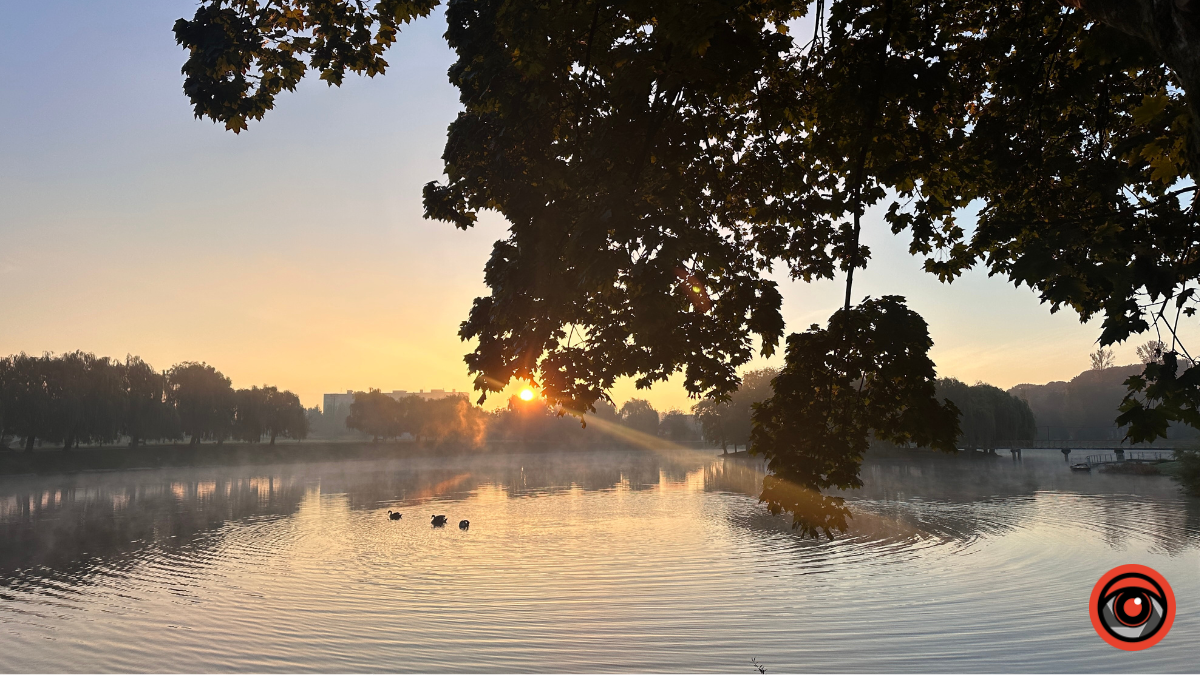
{"x": 340, "y": 403}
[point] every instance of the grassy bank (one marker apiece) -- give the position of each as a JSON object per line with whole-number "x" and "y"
{"x": 116, "y": 458}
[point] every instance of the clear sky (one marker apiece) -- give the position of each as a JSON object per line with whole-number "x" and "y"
{"x": 295, "y": 254}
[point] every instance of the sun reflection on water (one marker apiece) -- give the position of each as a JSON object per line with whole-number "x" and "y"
{"x": 656, "y": 559}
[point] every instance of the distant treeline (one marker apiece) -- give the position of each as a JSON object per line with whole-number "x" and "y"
{"x": 381, "y": 417}
{"x": 1086, "y": 407}
{"x": 987, "y": 414}
{"x": 79, "y": 398}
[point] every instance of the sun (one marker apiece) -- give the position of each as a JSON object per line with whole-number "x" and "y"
{"x": 526, "y": 394}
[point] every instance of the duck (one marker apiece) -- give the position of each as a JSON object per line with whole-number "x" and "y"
{"x": 395, "y": 516}
{"x": 439, "y": 521}
{"x": 464, "y": 524}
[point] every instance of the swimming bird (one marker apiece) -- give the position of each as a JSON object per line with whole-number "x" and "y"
{"x": 464, "y": 524}
{"x": 439, "y": 521}
{"x": 395, "y": 516}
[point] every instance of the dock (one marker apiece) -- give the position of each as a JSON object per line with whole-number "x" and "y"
{"x": 1130, "y": 457}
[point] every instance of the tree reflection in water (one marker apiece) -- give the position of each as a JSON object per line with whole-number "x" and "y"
{"x": 912, "y": 494}
{"x": 63, "y": 526}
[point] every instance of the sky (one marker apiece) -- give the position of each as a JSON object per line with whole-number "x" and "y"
{"x": 295, "y": 254}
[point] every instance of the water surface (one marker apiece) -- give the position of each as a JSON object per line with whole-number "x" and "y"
{"x": 583, "y": 561}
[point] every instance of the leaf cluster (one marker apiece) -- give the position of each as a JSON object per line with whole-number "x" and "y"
{"x": 1189, "y": 470}
{"x": 1160, "y": 395}
{"x": 867, "y": 374}
{"x": 618, "y": 140}
{"x": 653, "y": 158}
{"x": 243, "y": 53}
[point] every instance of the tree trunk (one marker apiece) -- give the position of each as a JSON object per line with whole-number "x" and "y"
{"x": 272, "y": 438}
{"x": 29, "y": 443}
{"x": 68, "y": 441}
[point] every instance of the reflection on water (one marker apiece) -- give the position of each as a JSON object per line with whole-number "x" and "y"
{"x": 582, "y": 561}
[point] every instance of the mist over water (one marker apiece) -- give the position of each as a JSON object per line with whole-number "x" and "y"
{"x": 581, "y": 561}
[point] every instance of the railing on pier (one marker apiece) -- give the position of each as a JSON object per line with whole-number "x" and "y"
{"x": 1160, "y": 444}
{"x": 1130, "y": 456}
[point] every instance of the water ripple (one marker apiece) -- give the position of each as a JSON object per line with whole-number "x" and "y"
{"x": 621, "y": 562}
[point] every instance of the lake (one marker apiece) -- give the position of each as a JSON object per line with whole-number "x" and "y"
{"x": 581, "y": 561}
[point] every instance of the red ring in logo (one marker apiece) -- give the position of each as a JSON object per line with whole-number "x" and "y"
{"x": 1132, "y": 607}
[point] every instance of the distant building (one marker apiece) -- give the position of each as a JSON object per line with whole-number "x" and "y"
{"x": 339, "y": 404}
{"x": 431, "y": 395}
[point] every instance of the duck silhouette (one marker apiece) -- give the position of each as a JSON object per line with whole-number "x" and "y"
{"x": 464, "y": 524}
{"x": 395, "y": 516}
{"x": 439, "y": 521}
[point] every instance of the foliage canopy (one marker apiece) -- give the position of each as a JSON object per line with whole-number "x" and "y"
{"x": 655, "y": 158}
{"x": 79, "y": 398}
{"x": 988, "y": 414}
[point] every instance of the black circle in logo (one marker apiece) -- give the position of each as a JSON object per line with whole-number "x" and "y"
{"x": 1132, "y": 607}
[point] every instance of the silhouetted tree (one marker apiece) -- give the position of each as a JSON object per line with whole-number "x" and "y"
{"x": 640, "y": 415}
{"x": 314, "y": 419}
{"x": 1152, "y": 351}
{"x": 606, "y": 411}
{"x": 29, "y": 407}
{"x": 451, "y": 419}
{"x": 147, "y": 413}
{"x": 378, "y": 415}
{"x": 268, "y": 412}
{"x": 283, "y": 415}
{"x": 71, "y": 399}
{"x": 987, "y": 414}
{"x": 66, "y": 383}
{"x": 676, "y": 426}
{"x": 830, "y": 399}
{"x": 730, "y": 421}
{"x": 6, "y": 399}
{"x": 1189, "y": 470}
{"x": 712, "y": 422}
{"x": 204, "y": 400}
{"x": 78, "y": 398}
{"x": 103, "y": 401}
{"x": 1102, "y": 359}
{"x": 249, "y": 412}
{"x": 654, "y": 159}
